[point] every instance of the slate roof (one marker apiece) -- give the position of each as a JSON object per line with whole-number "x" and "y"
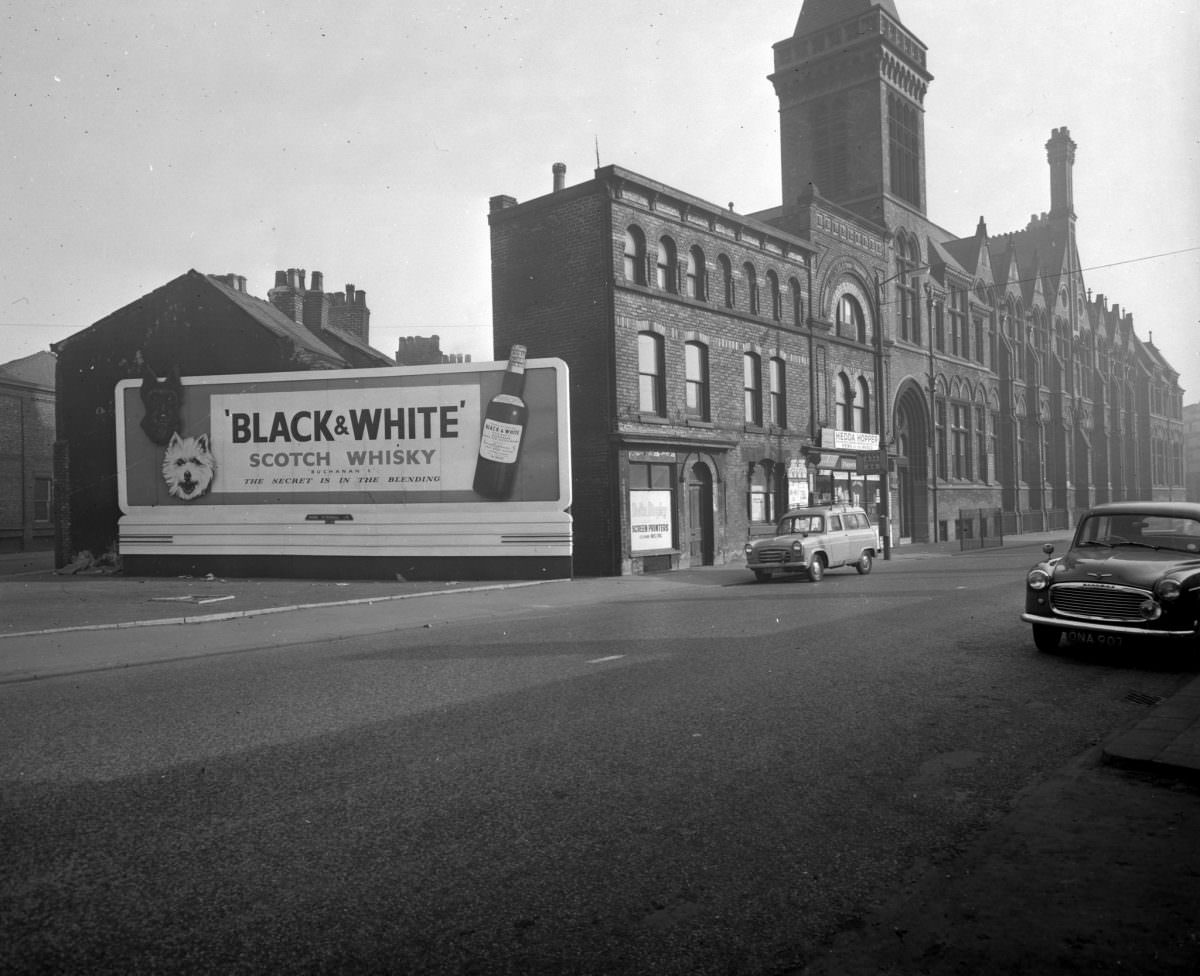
{"x": 36, "y": 370}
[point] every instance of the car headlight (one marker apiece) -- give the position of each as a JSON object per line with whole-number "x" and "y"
{"x": 797, "y": 547}
{"x": 747, "y": 549}
{"x": 1038, "y": 579}
{"x": 1167, "y": 589}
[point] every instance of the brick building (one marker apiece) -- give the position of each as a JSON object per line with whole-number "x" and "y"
{"x": 27, "y": 453}
{"x": 196, "y": 325}
{"x": 1191, "y": 451}
{"x": 726, "y": 366}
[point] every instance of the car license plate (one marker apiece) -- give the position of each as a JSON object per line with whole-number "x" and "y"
{"x": 1087, "y": 637}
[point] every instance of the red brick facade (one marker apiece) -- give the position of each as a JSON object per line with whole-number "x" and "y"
{"x": 1007, "y": 395}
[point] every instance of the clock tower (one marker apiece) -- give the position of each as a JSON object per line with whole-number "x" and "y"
{"x": 851, "y": 84}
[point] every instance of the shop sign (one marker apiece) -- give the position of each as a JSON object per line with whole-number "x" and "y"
{"x": 848, "y": 440}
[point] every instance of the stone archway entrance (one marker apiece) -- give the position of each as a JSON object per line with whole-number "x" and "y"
{"x": 912, "y": 466}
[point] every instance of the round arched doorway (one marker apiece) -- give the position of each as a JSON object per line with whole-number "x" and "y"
{"x": 912, "y": 466}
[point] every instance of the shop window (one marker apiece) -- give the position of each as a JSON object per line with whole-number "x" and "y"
{"x": 752, "y": 384}
{"x": 635, "y": 256}
{"x": 760, "y": 494}
{"x": 651, "y": 507}
{"x": 778, "y": 392}
{"x": 652, "y": 395}
{"x": 696, "y": 380}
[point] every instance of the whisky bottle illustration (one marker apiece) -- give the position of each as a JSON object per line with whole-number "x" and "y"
{"x": 503, "y": 429}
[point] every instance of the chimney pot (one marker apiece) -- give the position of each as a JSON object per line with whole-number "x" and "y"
{"x": 560, "y": 176}
{"x": 318, "y": 281}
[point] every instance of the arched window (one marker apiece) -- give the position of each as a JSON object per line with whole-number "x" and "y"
{"x": 751, "y": 287}
{"x": 697, "y": 276}
{"x": 652, "y": 393}
{"x": 797, "y": 303}
{"x": 635, "y": 256}
{"x": 667, "y": 268}
{"x": 752, "y": 385}
{"x": 726, "y": 280}
{"x": 862, "y": 406}
{"x": 695, "y": 375}
{"x": 844, "y": 403}
{"x": 774, "y": 296}
{"x": 778, "y": 393}
{"x": 850, "y": 321}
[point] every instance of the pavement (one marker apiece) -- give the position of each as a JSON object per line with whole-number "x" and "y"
{"x": 36, "y": 600}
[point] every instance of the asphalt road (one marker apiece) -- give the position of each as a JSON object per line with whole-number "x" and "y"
{"x": 685, "y": 775}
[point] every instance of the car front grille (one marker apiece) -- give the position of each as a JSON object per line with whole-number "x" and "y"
{"x": 1098, "y": 601}
{"x": 771, "y": 555}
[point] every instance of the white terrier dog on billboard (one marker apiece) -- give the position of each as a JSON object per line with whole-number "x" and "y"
{"x": 188, "y": 466}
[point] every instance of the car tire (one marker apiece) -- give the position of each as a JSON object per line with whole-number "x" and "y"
{"x": 864, "y": 564}
{"x": 1046, "y": 639}
{"x": 761, "y": 576}
{"x": 816, "y": 569}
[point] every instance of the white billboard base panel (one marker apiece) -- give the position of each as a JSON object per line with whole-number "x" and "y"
{"x": 375, "y": 543}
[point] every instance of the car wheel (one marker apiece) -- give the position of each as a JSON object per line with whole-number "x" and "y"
{"x": 816, "y": 569}
{"x": 761, "y": 576}
{"x": 864, "y": 564}
{"x": 1046, "y": 638}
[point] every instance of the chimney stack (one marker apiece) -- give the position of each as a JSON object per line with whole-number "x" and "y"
{"x": 560, "y": 176}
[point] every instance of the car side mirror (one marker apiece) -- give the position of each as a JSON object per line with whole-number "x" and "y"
{"x": 1048, "y": 548}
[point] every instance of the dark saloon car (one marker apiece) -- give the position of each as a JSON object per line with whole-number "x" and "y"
{"x": 1132, "y": 572}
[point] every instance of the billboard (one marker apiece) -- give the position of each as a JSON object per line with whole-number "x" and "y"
{"x": 468, "y": 460}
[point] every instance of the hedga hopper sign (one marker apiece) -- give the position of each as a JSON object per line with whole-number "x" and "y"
{"x": 368, "y": 473}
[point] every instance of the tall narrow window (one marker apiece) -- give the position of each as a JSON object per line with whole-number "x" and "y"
{"x": 652, "y": 397}
{"x": 778, "y": 391}
{"x": 697, "y": 279}
{"x": 752, "y": 385}
{"x": 667, "y": 268}
{"x": 775, "y": 299}
{"x": 981, "y": 442}
{"x": 42, "y": 497}
{"x": 751, "y": 288}
{"x": 845, "y": 403}
{"x": 904, "y": 149}
{"x": 726, "y": 280}
{"x": 797, "y": 303}
{"x": 635, "y": 256}
{"x": 959, "y": 439}
{"x": 862, "y": 406}
{"x": 940, "y": 438}
{"x": 695, "y": 366}
{"x": 850, "y": 321}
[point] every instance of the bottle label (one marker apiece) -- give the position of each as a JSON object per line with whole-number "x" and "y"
{"x": 500, "y": 442}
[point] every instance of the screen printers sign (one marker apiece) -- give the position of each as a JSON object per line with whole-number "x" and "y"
{"x": 413, "y": 439}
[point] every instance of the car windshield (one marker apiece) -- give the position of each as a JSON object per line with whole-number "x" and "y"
{"x": 796, "y": 524}
{"x": 1134, "y": 529}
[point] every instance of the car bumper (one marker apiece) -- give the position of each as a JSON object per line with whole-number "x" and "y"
{"x": 1095, "y": 628}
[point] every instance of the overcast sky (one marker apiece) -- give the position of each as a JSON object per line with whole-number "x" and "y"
{"x": 364, "y": 140}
